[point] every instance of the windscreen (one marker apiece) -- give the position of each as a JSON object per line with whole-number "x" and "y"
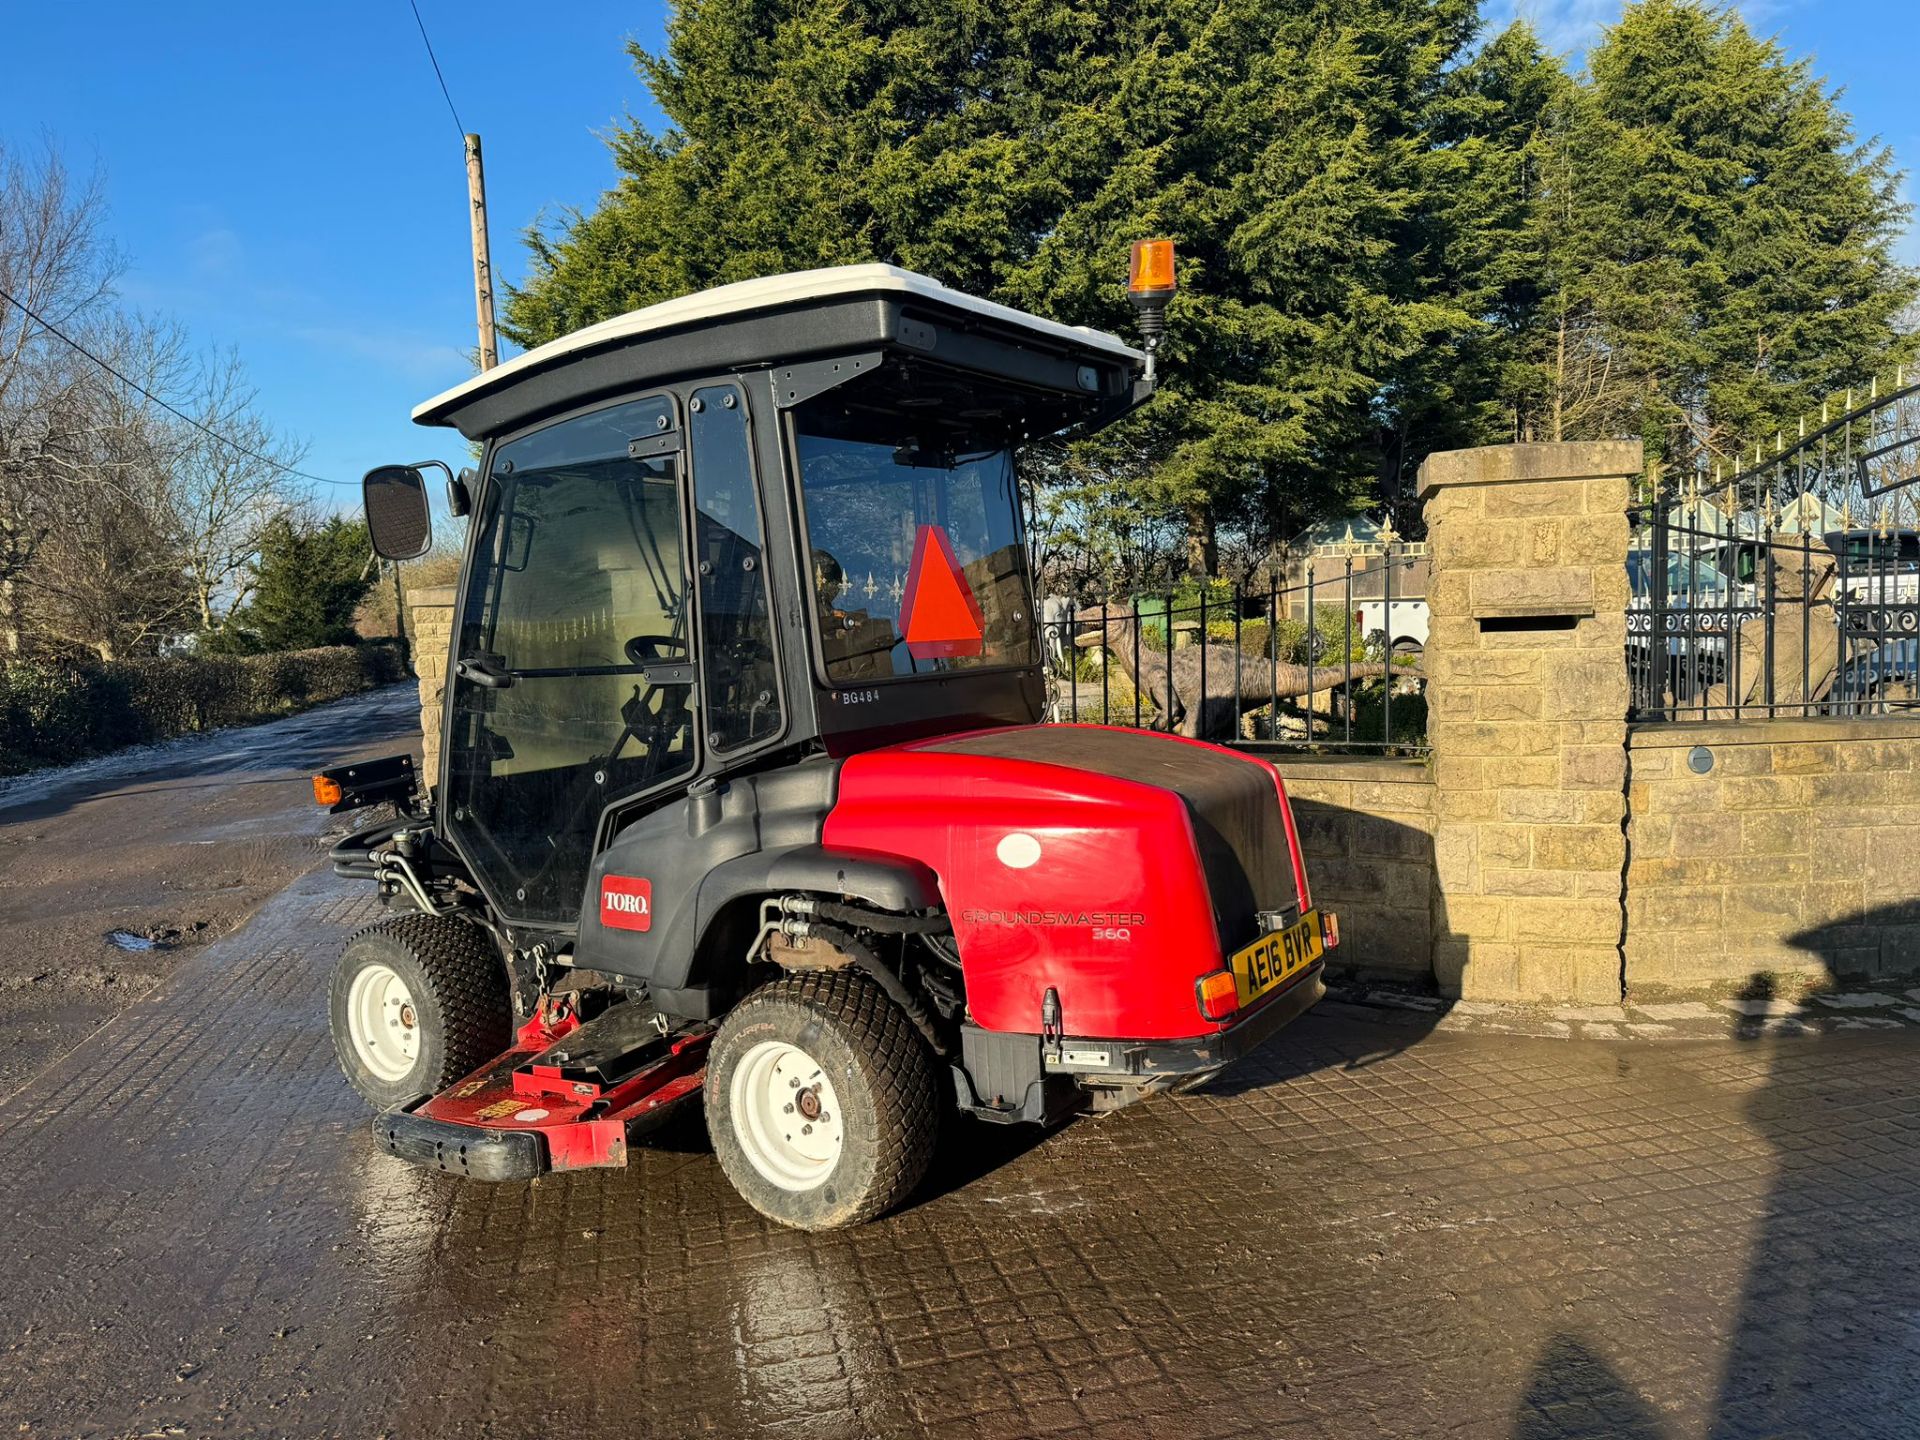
{"x": 916, "y": 552}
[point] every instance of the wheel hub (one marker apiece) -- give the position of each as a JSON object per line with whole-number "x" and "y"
{"x": 382, "y": 1023}
{"x": 786, "y": 1116}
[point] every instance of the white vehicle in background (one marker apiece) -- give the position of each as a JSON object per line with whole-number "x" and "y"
{"x": 1870, "y": 567}
{"x": 1407, "y": 634}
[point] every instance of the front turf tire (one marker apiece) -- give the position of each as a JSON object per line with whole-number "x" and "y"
{"x": 417, "y": 1002}
{"x": 866, "y": 1066}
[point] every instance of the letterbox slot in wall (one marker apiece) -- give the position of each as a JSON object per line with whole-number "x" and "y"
{"x": 1525, "y": 624}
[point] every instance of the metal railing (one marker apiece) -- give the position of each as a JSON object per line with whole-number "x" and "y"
{"x": 1330, "y": 660}
{"x": 1770, "y": 610}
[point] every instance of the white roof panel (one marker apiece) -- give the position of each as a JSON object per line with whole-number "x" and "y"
{"x": 770, "y": 293}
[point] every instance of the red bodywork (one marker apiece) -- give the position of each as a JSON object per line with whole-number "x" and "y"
{"x": 584, "y": 1124}
{"x": 1114, "y": 914}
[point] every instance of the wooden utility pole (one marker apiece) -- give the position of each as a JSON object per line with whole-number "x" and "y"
{"x": 482, "y": 258}
{"x": 399, "y": 612}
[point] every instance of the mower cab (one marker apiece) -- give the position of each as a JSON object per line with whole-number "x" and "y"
{"x": 742, "y": 784}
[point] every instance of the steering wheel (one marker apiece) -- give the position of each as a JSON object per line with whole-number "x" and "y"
{"x": 643, "y": 648}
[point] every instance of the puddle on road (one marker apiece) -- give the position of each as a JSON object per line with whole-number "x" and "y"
{"x": 155, "y": 937}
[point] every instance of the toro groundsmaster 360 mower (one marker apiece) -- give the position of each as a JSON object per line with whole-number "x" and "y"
{"x": 743, "y": 789}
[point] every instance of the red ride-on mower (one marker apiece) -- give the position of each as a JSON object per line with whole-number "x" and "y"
{"x": 742, "y": 789}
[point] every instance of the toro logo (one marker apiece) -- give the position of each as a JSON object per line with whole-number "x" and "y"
{"x": 626, "y": 902}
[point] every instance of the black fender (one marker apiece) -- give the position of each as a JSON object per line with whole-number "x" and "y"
{"x": 657, "y": 892}
{"x": 886, "y": 882}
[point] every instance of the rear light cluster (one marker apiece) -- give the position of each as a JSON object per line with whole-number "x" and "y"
{"x": 1219, "y": 997}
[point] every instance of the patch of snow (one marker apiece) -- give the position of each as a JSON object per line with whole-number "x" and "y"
{"x": 1768, "y": 1009}
{"x": 1677, "y": 1010}
{"x": 1859, "y": 1000}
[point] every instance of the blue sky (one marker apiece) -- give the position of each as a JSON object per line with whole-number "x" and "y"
{"x": 286, "y": 179}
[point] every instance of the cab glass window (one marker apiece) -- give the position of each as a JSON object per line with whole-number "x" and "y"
{"x": 916, "y": 558}
{"x": 740, "y": 702}
{"x": 571, "y": 687}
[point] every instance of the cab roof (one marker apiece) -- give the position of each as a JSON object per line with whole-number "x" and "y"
{"x": 748, "y": 300}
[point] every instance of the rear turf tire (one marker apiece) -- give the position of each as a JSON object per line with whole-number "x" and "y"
{"x": 868, "y": 1071}
{"x": 417, "y": 1002}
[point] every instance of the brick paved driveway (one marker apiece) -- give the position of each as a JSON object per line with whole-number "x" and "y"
{"x": 1371, "y": 1230}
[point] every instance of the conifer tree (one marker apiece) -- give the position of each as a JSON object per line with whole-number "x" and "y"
{"x": 1391, "y": 242}
{"x": 309, "y": 579}
{"x": 1720, "y": 239}
{"x": 1016, "y": 150}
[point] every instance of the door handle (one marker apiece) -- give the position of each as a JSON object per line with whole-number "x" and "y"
{"x": 482, "y": 672}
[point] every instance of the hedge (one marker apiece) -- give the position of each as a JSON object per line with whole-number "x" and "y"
{"x": 56, "y": 712}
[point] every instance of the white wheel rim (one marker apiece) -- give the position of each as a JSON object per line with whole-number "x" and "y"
{"x": 786, "y": 1115}
{"x": 383, "y": 1023}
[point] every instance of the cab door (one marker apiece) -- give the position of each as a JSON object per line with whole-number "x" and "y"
{"x": 574, "y": 684}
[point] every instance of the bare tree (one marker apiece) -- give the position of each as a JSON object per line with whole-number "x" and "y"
{"x": 122, "y": 525}
{"x": 55, "y": 263}
{"x": 220, "y": 498}
{"x": 107, "y": 576}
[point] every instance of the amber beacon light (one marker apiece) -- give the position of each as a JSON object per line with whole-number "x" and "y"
{"x": 1150, "y": 284}
{"x": 1150, "y": 272}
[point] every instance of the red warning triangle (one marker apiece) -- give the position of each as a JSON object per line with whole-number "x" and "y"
{"x": 939, "y": 616}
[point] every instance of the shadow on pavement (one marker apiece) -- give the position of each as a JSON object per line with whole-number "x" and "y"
{"x": 1825, "y": 1342}
{"x": 1572, "y": 1391}
{"x": 1822, "y": 1339}
{"x": 1377, "y": 875}
{"x": 971, "y": 1149}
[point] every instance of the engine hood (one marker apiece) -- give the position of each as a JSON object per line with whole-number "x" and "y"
{"x": 1112, "y": 866}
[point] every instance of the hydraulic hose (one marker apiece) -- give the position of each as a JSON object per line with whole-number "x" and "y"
{"x": 836, "y": 913}
{"x": 869, "y": 964}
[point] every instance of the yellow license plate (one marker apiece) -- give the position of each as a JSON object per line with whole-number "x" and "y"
{"x": 1275, "y": 958}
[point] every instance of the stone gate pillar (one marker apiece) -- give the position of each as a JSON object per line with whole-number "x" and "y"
{"x": 430, "y": 624}
{"x": 1527, "y": 706}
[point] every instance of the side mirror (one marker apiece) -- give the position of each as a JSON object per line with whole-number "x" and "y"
{"x": 397, "y": 516}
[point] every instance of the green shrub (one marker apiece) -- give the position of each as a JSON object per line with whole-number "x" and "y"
{"x": 1289, "y": 641}
{"x": 56, "y": 712}
{"x": 1370, "y": 716}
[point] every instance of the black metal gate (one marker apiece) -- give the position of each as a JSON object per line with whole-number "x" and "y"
{"x": 1790, "y": 587}
{"x": 1327, "y": 655}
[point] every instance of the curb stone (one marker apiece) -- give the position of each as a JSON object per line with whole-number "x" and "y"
{"x": 1658, "y": 1021}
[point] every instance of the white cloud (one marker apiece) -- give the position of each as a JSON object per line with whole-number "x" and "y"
{"x": 215, "y": 254}
{"x": 1568, "y": 27}
{"x": 401, "y": 353}
{"x": 1907, "y": 248}
{"x": 1564, "y": 26}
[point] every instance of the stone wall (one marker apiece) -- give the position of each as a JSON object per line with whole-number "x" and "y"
{"x": 1527, "y": 702}
{"x": 430, "y": 623}
{"x": 1788, "y": 847}
{"x": 1367, "y": 828}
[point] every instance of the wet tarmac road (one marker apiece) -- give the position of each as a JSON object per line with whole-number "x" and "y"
{"x": 176, "y": 843}
{"x": 1367, "y": 1230}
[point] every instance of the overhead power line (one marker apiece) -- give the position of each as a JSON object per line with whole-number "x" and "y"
{"x": 207, "y": 430}
{"x": 436, "y": 69}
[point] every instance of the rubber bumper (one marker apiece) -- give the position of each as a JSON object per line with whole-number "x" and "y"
{"x": 1202, "y": 1054}
{"x": 468, "y": 1150}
